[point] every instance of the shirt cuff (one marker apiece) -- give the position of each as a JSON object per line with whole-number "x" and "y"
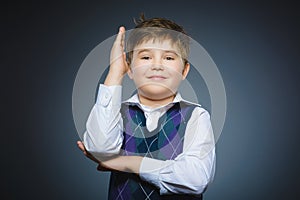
{"x": 150, "y": 172}
{"x": 107, "y": 94}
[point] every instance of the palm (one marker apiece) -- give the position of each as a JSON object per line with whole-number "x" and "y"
{"x": 118, "y": 62}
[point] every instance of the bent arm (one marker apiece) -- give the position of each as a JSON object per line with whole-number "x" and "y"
{"x": 186, "y": 175}
{"x": 191, "y": 171}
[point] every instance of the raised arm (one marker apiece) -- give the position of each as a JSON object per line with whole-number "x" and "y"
{"x": 103, "y": 136}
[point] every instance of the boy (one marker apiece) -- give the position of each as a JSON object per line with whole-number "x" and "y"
{"x": 156, "y": 144}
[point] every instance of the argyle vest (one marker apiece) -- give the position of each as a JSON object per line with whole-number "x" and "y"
{"x": 165, "y": 142}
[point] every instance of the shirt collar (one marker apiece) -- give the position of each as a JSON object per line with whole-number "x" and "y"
{"x": 135, "y": 99}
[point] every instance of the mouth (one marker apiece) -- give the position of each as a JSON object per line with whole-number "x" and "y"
{"x": 157, "y": 77}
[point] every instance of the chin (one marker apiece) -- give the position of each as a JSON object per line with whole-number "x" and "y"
{"x": 156, "y": 92}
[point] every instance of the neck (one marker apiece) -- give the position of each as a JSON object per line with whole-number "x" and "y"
{"x": 154, "y": 103}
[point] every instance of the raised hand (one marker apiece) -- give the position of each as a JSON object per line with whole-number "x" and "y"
{"x": 118, "y": 65}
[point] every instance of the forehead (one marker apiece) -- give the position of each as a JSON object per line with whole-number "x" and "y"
{"x": 164, "y": 45}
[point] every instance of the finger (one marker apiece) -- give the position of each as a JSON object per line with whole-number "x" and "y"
{"x": 125, "y": 60}
{"x": 80, "y": 146}
{"x": 122, "y": 30}
{"x": 120, "y": 37}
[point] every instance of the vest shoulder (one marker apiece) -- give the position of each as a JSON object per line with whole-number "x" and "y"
{"x": 197, "y": 108}
{"x": 190, "y": 104}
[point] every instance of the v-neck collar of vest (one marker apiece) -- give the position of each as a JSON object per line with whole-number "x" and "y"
{"x": 134, "y": 100}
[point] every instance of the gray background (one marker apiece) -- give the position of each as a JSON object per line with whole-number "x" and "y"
{"x": 255, "y": 46}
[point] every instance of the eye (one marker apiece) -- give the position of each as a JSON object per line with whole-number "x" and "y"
{"x": 169, "y": 58}
{"x": 145, "y": 58}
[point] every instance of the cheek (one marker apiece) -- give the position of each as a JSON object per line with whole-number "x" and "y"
{"x": 176, "y": 69}
{"x": 138, "y": 72}
{"x": 140, "y": 67}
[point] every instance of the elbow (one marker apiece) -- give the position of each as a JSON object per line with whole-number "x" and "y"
{"x": 196, "y": 185}
{"x": 193, "y": 181}
{"x": 191, "y": 187}
{"x": 101, "y": 146}
{"x": 191, "y": 184}
{"x": 201, "y": 181}
{"x": 199, "y": 187}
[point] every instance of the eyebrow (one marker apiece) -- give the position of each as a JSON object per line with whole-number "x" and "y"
{"x": 139, "y": 51}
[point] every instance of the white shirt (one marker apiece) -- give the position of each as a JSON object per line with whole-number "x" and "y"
{"x": 189, "y": 173}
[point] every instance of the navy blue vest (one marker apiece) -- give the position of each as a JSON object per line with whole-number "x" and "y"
{"x": 165, "y": 142}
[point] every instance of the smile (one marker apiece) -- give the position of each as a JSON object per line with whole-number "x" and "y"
{"x": 157, "y": 78}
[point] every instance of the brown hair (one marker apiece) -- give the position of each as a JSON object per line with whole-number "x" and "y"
{"x": 157, "y": 28}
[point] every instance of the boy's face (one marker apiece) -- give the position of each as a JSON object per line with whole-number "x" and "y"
{"x": 157, "y": 69}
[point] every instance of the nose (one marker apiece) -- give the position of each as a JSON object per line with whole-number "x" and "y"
{"x": 157, "y": 65}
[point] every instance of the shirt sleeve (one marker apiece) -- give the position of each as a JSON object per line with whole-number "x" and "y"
{"x": 192, "y": 170}
{"x": 103, "y": 136}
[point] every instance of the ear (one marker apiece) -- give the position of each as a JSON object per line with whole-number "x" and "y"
{"x": 186, "y": 70}
{"x": 129, "y": 72}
